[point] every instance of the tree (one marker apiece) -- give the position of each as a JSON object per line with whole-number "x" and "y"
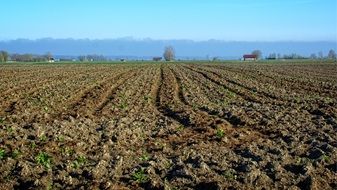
{"x": 258, "y": 54}
{"x": 320, "y": 55}
{"x": 3, "y": 56}
{"x": 48, "y": 56}
{"x": 332, "y": 54}
{"x": 313, "y": 56}
{"x": 27, "y": 57}
{"x": 82, "y": 58}
{"x": 169, "y": 53}
{"x": 272, "y": 56}
{"x": 215, "y": 59}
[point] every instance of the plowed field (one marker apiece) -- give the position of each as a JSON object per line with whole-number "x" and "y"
{"x": 168, "y": 126}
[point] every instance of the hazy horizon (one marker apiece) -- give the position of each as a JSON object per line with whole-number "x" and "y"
{"x": 150, "y": 47}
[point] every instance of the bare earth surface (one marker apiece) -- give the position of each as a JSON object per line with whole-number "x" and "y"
{"x": 168, "y": 126}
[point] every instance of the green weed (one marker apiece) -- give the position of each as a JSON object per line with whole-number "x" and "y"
{"x": 302, "y": 161}
{"x": 144, "y": 157}
{"x": 140, "y": 176}
{"x": 194, "y": 106}
{"x": 230, "y": 175}
{"x": 325, "y": 158}
{"x": 219, "y": 133}
{"x": 80, "y": 161}
{"x": 43, "y": 159}
{"x": 43, "y": 138}
{"x": 32, "y": 145}
{"x": 66, "y": 151}
{"x": 2, "y": 154}
{"x": 15, "y": 154}
{"x": 123, "y": 104}
{"x": 9, "y": 129}
{"x": 60, "y": 138}
{"x": 180, "y": 128}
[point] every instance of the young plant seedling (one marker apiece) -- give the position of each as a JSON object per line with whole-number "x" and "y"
{"x": 140, "y": 176}
{"x": 9, "y": 129}
{"x": 230, "y": 175}
{"x": 194, "y": 106}
{"x": 60, "y": 138}
{"x": 123, "y": 102}
{"x": 80, "y": 161}
{"x": 2, "y": 154}
{"x": 43, "y": 159}
{"x": 219, "y": 133}
{"x": 66, "y": 151}
{"x": 180, "y": 128}
{"x": 33, "y": 145}
{"x": 325, "y": 158}
{"x": 15, "y": 154}
{"x": 43, "y": 138}
{"x": 144, "y": 157}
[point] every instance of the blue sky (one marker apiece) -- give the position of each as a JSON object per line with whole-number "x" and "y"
{"x": 230, "y": 20}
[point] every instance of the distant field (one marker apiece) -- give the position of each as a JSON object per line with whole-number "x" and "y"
{"x": 168, "y": 125}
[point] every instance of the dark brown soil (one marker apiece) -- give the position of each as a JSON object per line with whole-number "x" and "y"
{"x": 169, "y": 126}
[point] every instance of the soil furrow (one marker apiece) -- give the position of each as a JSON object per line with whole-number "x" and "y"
{"x": 85, "y": 105}
{"x": 111, "y": 93}
{"x": 219, "y": 82}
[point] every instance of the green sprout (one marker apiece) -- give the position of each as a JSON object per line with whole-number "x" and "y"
{"x": 140, "y": 176}
{"x": 43, "y": 159}
{"x": 2, "y": 154}
{"x": 32, "y": 145}
{"x": 325, "y": 158}
{"x": 123, "y": 105}
{"x": 80, "y": 161}
{"x": 66, "y": 151}
{"x": 60, "y": 138}
{"x": 219, "y": 133}
{"x": 15, "y": 154}
{"x": 144, "y": 157}
{"x": 43, "y": 138}
{"x": 230, "y": 175}
{"x": 9, "y": 129}
{"x": 180, "y": 128}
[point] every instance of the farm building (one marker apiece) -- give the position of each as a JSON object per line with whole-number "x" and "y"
{"x": 249, "y": 57}
{"x": 51, "y": 60}
{"x": 157, "y": 58}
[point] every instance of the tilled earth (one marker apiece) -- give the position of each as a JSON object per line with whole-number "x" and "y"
{"x": 168, "y": 126}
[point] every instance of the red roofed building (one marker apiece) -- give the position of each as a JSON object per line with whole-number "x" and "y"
{"x": 249, "y": 57}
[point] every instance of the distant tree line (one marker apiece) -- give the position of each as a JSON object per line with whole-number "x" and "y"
{"x": 168, "y": 55}
{"x": 15, "y": 57}
{"x": 319, "y": 55}
{"x": 93, "y": 57}
{"x": 5, "y": 57}
{"x": 29, "y": 57}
